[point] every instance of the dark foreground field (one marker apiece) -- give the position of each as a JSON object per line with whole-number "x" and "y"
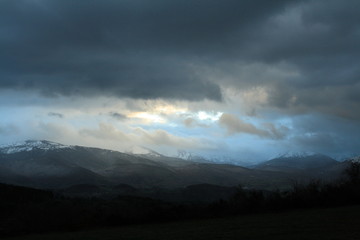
{"x": 333, "y": 223}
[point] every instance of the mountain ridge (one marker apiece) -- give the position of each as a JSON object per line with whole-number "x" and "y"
{"x": 45, "y": 164}
{"x": 298, "y": 162}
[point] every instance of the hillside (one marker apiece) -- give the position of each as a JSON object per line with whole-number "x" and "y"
{"x": 44, "y": 164}
{"x": 302, "y": 166}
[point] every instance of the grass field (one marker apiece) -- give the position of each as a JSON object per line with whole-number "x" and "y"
{"x": 335, "y": 223}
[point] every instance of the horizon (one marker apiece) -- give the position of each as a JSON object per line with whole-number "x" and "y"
{"x": 244, "y": 79}
{"x": 182, "y": 154}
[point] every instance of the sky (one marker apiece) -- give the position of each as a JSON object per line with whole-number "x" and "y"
{"x": 243, "y": 80}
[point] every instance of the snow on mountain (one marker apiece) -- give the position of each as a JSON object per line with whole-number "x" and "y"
{"x": 295, "y": 154}
{"x": 355, "y": 159}
{"x": 30, "y": 145}
{"x": 140, "y": 150}
{"x": 188, "y": 156}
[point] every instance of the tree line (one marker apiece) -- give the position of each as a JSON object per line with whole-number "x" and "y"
{"x": 25, "y": 210}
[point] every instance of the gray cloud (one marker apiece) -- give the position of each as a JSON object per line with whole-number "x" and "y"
{"x": 136, "y": 49}
{"x": 163, "y": 138}
{"x": 105, "y": 132}
{"x": 318, "y": 41}
{"x": 235, "y": 125}
{"x": 8, "y": 129}
{"x": 321, "y": 133}
{"x": 154, "y": 49}
{"x": 155, "y": 138}
{"x": 55, "y": 114}
{"x": 191, "y": 122}
{"x": 118, "y": 116}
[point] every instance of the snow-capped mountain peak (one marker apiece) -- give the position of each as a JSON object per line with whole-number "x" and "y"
{"x": 29, "y": 145}
{"x": 296, "y": 154}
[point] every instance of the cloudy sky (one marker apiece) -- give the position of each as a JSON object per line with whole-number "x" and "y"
{"x": 238, "y": 78}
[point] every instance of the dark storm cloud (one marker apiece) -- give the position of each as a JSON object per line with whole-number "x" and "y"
{"x": 319, "y": 42}
{"x": 327, "y": 53}
{"x": 140, "y": 49}
{"x": 325, "y": 49}
{"x": 156, "y": 49}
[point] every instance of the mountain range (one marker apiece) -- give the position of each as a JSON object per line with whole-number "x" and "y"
{"x": 48, "y": 165}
